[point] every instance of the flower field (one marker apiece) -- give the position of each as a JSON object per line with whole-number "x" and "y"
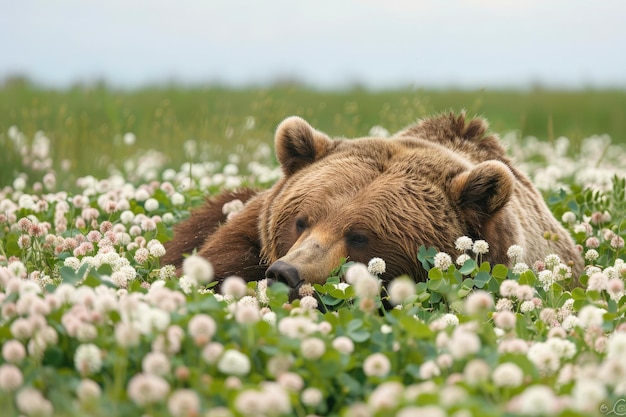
{"x": 91, "y": 323}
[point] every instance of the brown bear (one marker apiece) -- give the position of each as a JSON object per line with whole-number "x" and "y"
{"x": 429, "y": 184}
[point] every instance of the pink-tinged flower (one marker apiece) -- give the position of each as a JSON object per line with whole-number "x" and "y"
{"x": 32, "y": 403}
{"x": 88, "y": 390}
{"x": 377, "y": 365}
{"x": 478, "y": 302}
{"x": 141, "y": 255}
{"x": 201, "y": 328}
{"x": 234, "y": 286}
{"x": 145, "y": 389}
{"x": 11, "y": 377}
{"x": 386, "y": 396}
{"x": 290, "y": 381}
{"x": 184, "y": 403}
{"x": 505, "y": 320}
{"x": 156, "y": 363}
{"x": 429, "y": 369}
{"x": 247, "y": 314}
{"x": 212, "y": 352}
{"x": 13, "y": 351}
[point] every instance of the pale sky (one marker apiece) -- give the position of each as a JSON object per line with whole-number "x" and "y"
{"x": 326, "y": 43}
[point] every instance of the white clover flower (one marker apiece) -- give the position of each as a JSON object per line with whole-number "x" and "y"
{"x": 212, "y": 352}
{"x": 429, "y": 369}
{"x": 591, "y": 316}
{"x": 376, "y": 364}
{"x": 13, "y": 351}
{"x": 462, "y": 258}
{"x": 376, "y": 266}
{"x": 233, "y": 362}
{"x": 145, "y": 389}
{"x": 365, "y": 284}
{"x": 476, "y": 372}
{"x": 597, "y": 282}
{"x": 616, "y": 345}
{"x": 568, "y": 217}
{"x": 31, "y": 402}
{"x": 88, "y": 359}
{"x": 480, "y": 247}
{"x": 588, "y": 394}
{"x": 184, "y": 402}
{"x": 400, "y": 289}
{"x": 537, "y": 400}
{"x": 505, "y": 320}
{"x": 463, "y": 343}
{"x": 151, "y": 204}
{"x": 442, "y": 261}
{"x": 311, "y": 397}
{"x": 507, "y": 375}
{"x": 11, "y": 377}
{"x": 177, "y": 199}
{"x": 463, "y": 243}
{"x": 156, "y": 363}
{"x": 312, "y": 348}
{"x": 234, "y": 286}
{"x": 450, "y": 319}
{"x": 508, "y": 288}
{"x": 519, "y": 268}
{"x": 515, "y": 252}
{"x": 198, "y": 269}
{"x": 201, "y": 328}
{"x": 247, "y": 314}
{"x": 592, "y": 255}
{"x": 564, "y": 348}
{"x": 544, "y": 358}
{"x": 552, "y": 261}
{"x": 478, "y": 302}
{"x": 343, "y": 344}
{"x": 88, "y": 390}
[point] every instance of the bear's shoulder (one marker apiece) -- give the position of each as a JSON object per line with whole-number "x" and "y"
{"x": 468, "y": 136}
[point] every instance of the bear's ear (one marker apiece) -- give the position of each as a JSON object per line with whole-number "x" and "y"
{"x": 482, "y": 191}
{"x": 298, "y": 144}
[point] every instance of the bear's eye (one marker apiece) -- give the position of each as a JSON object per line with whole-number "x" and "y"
{"x": 357, "y": 239}
{"x": 301, "y": 225}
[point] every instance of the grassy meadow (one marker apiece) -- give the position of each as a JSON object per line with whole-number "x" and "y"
{"x": 86, "y": 125}
{"x": 92, "y": 181}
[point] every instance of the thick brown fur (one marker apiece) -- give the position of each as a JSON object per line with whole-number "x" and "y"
{"x": 435, "y": 181}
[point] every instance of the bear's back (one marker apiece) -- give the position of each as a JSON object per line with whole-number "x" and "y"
{"x": 468, "y": 137}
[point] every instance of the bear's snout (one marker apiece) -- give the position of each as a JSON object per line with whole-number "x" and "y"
{"x": 281, "y": 271}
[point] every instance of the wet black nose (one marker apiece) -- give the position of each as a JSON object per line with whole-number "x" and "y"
{"x": 281, "y": 271}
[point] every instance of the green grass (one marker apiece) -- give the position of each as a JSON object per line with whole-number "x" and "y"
{"x": 86, "y": 123}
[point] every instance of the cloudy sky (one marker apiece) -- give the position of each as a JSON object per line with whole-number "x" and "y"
{"x": 326, "y": 43}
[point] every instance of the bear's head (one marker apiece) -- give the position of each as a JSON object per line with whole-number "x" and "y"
{"x": 375, "y": 197}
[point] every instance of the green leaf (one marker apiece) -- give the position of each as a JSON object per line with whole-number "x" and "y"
{"x": 500, "y": 271}
{"x": 481, "y": 279}
{"x": 468, "y": 267}
{"x": 527, "y": 278}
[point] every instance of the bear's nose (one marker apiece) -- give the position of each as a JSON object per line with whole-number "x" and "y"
{"x": 283, "y": 272}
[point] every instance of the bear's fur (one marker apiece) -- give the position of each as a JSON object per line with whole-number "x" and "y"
{"x": 429, "y": 184}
